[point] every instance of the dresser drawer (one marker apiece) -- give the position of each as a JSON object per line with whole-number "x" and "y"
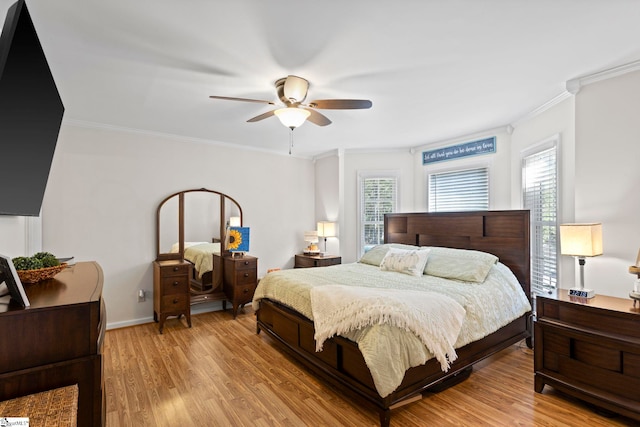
{"x": 174, "y": 285}
{"x": 245, "y": 277}
{"x": 175, "y": 270}
{"x": 176, "y": 302}
{"x": 242, "y": 294}
{"x": 245, "y": 264}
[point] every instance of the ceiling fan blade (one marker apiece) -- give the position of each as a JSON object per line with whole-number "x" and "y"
{"x": 341, "y": 104}
{"x": 295, "y": 88}
{"x": 317, "y": 118}
{"x": 228, "y": 98}
{"x": 261, "y": 116}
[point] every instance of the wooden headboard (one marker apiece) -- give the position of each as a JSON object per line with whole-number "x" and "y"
{"x": 502, "y": 233}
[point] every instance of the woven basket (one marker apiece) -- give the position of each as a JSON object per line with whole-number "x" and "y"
{"x": 35, "y": 276}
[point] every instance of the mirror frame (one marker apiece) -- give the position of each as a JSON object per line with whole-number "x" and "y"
{"x": 180, "y": 194}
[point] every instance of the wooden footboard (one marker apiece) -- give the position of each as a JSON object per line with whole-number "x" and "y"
{"x": 341, "y": 363}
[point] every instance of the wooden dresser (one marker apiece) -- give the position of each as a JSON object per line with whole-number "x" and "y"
{"x": 590, "y": 349}
{"x": 171, "y": 290}
{"x": 57, "y": 341}
{"x": 240, "y": 279}
{"x": 304, "y": 260}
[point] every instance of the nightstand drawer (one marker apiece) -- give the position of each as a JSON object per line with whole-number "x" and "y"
{"x": 244, "y": 277}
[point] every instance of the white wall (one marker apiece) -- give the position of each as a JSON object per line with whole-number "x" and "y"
{"x": 607, "y": 177}
{"x": 498, "y": 163}
{"x": 328, "y": 204}
{"x": 105, "y": 186}
{"x": 354, "y": 162}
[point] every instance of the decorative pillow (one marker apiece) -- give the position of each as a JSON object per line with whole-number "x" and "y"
{"x": 459, "y": 264}
{"x": 409, "y": 262}
{"x": 375, "y": 255}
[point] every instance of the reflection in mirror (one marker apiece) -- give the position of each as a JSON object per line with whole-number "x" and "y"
{"x": 201, "y": 217}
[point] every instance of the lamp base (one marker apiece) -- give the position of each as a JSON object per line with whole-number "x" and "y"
{"x": 582, "y": 292}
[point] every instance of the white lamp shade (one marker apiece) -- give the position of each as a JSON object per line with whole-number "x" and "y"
{"x": 581, "y": 239}
{"x": 326, "y": 229}
{"x": 292, "y": 117}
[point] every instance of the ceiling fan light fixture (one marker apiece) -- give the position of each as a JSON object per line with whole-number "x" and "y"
{"x": 292, "y": 117}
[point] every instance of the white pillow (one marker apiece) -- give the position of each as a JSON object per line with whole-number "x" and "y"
{"x": 375, "y": 255}
{"x": 460, "y": 264}
{"x": 411, "y": 262}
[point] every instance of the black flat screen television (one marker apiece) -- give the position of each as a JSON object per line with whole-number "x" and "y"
{"x": 31, "y": 113}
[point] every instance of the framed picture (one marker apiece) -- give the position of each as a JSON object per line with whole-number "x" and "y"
{"x": 9, "y": 278}
{"x": 238, "y": 239}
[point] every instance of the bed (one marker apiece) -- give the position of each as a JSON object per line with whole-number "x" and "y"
{"x": 346, "y": 354}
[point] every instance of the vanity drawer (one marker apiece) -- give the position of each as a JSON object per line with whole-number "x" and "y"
{"x": 170, "y": 270}
{"x": 171, "y": 303}
{"x": 174, "y": 285}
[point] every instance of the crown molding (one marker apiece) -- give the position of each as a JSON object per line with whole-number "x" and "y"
{"x": 102, "y": 126}
{"x": 463, "y": 138}
{"x": 574, "y": 85}
{"x": 541, "y": 109}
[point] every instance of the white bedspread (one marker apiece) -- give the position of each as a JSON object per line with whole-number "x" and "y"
{"x": 434, "y": 318}
{"x": 389, "y": 351}
{"x": 201, "y": 255}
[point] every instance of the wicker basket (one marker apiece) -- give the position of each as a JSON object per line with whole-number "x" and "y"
{"x": 34, "y": 276}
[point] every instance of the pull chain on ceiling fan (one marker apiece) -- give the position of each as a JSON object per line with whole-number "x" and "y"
{"x": 292, "y": 91}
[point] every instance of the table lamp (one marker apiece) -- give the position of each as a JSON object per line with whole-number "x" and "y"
{"x": 580, "y": 241}
{"x": 326, "y": 229}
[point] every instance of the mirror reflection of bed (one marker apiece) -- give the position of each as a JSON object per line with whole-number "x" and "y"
{"x": 191, "y": 227}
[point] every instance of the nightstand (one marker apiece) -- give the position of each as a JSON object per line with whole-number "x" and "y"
{"x": 171, "y": 295}
{"x": 240, "y": 280}
{"x": 304, "y": 260}
{"x": 590, "y": 349}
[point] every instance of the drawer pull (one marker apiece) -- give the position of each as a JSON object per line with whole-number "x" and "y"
{"x": 246, "y": 274}
{"x": 246, "y": 263}
{"x": 176, "y": 268}
{"x": 175, "y": 300}
{"x": 176, "y": 283}
{"x": 245, "y": 290}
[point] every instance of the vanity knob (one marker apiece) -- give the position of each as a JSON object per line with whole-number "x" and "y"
{"x": 175, "y": 301}
{"x": 246, "y": 274}
{"x": 176, "y": 268}
{"x": 246, "y": 263}
{"x": 245, "y": 290}
{"x": 176, "y": 283}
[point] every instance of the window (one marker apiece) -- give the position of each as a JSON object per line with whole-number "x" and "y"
{"x": 540, "y": 196}
{"x": 378, "y": 196}
{"x": 461, "y": 190}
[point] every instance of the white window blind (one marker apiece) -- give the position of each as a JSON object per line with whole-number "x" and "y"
{"x": 540, "y": 196}
{"x": 462, "y": 190}
{"x": 378, "y": 196}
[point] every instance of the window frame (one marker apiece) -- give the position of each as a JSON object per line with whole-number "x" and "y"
{"x": 552, "y": 142}
{"x": 361, "y": 177}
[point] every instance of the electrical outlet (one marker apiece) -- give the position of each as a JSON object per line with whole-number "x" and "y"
{"x": 142, "y": 295}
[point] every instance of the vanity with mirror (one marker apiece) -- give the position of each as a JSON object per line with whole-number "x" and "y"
{"x": 190, "y": 258}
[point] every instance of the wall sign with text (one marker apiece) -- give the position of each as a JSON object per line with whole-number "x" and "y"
{"x": 473, "y": 148}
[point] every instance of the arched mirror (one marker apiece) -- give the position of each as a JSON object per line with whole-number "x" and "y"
{"x": 191, "y": 227}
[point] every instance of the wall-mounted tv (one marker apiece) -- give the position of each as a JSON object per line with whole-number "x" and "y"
{"x": 31, "y": 113}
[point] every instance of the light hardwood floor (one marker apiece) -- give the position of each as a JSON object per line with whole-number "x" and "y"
{"x": 221, "y": 373}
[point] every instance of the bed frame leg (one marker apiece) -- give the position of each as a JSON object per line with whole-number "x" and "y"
{"x": 385, "y": 417}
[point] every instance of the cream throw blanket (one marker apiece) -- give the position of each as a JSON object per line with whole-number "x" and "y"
{"x": 434, "y": 318}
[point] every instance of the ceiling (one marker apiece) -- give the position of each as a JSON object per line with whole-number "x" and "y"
{"x": 434, "y": 70}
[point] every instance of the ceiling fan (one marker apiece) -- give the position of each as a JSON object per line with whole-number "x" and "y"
{"x": 292, "y": 91}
